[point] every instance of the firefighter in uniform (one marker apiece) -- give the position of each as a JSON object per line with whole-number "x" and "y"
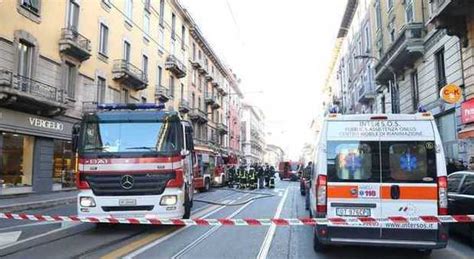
{"x": 242, "y": 174}
{"x": 267, "y": 175}
{"x": 250, "y": 177}
{"x": 232, "y": 175}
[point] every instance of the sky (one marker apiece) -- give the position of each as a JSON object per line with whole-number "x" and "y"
{"x": 281, "y": 51}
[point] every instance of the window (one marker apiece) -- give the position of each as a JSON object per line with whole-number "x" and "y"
{"x": 125, "y": 96}
{"x": 126, "y": 51}
{"x": 159, "y": 76}
{"x": 468, "y": 185}
{"x": 71, "y": 72}
{"x": 352, "y": 161}
{"x": 382, "y": 103}
{"x": 199, "y": 103}
{"x": 193, "y": 100}
{"x": 16, "y": 165}
{"x": 182, "y": 91}
{"x": 440, "y": 68}
{"x": 409, "y": 9}
{"x": 31, "y": 5}
{"x": 171, "y": 86}
{"x": 129, "y": 9}
{"x": 194, "y": 51}
{"x": 391, "y": 30}
{"x": 378, "y": 14}
{"x": 101, "y": 86}
{"x": 454, "y": 181}
{"x": 415, "y": 90}
{"x": 367, "y": 39}
{"x": 25, "y": 59}
{"x": 162, "y": 12}
{"x": 104, "y": 38}
{"x": 146, "y": 23}
{"x": 147, "y": 5}
{"x": 173, "y": 26}
{"x": 161, "y": 40}
{"x": 194, "y": 76}
{"x": 389, "y": 5}
{"x": 73, "y": 15}
{"x": 63, "y": 168}
{"x": 413, "y": 161}
{"x": 145, "y": 65}
{"x": 183, "y": 34}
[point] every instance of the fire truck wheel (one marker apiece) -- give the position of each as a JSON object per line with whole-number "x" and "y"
{"x": 187, "y": 205}
{"x": 207, "y": 185}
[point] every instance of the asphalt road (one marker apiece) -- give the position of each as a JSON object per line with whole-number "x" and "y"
{"x": 132, "y": 241}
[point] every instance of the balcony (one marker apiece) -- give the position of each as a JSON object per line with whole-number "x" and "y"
{"x": 184, "y": 106}
{"x": 196, "y": 114}
{"x": 405, "y": 50}
{"x": 26, "y": 94}
{"x": 196, "y": 63}
{"x": 203, "y": 69}
{"x": 162, "y": 94}
{"x": 210, "y": 99}
{"x": 129, "y": 75}
{"x": 209, "y": 77}
{"x": 216, "y": 105}
{"x": 222, "y": 128}
{"x": 451, "y": 15}
{"x": 175, "y": 66}
{"x": 74, "y": 44}
{"x": 366, "y": 93}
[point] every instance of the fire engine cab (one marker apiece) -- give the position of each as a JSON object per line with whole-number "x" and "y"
{"x": 134, "y": 160}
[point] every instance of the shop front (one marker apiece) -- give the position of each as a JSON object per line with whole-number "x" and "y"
{"x": 35, "y": 153}
{"x": 467, "y": 133}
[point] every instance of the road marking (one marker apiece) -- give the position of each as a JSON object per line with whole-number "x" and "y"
{"x": 130, "y": 253}
{"x": 39, "y": 236}
{"x": 267, "y": 242}
{"x": 151, "y": 237}
{"x": 207, "y": 234}
{"x": 9, "y": 237}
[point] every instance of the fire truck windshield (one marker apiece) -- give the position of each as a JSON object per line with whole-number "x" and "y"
{"x": 126, "y": 137}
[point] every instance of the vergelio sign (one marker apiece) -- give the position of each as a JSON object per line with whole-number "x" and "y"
{"x": 467, "y": 111}
{"x": 46, "y": 124}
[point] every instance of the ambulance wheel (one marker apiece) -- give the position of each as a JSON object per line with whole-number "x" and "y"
{"x": 317, "y": 245}
{"x": 425, "y": 252}
{"x": 187, "y": 206}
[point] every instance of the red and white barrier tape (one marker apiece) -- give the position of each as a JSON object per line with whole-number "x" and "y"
{"x": 363, "y": 221}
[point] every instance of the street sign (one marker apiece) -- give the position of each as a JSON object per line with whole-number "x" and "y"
{"x": 451, "y": 93}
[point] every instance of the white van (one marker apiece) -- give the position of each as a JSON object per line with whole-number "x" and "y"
{"x": 379, "y": 166}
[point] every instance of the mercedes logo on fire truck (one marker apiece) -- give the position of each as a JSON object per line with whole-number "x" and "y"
{"x": 127, "y": 182}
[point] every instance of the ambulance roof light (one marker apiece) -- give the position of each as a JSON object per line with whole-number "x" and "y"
{"x": 421, "y": 109}
{"x": 130, "y": 106}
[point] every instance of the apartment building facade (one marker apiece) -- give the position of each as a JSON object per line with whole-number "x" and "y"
{"x": 457, "y": 19}
{"x": 253, "y": 134}
{"x": 59, "y": 57}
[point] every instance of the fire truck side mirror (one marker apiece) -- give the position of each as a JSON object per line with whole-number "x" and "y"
{"x": 75, "y": 136}
{"x": 184, "y": 153}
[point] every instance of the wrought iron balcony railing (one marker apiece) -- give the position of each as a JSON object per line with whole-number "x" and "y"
{"x": 129, "y": 74}
{"x": 74, "y": 44}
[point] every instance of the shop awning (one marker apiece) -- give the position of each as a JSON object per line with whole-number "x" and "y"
{"x": 467, "y": 132}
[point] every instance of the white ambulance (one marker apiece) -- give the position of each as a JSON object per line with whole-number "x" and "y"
{"x": 379, "y": 166}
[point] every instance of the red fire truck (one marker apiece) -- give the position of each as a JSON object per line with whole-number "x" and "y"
{"x": 290, "y": 170}
{"x": 202, "y": 169}
{"x": 134, "y": 160}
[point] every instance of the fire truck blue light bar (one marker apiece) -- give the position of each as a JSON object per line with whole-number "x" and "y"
{"x": 130, "y": 106}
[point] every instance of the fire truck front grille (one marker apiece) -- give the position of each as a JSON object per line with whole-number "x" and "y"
{"x": 129, "y": 184}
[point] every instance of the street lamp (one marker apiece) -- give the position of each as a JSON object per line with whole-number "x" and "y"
{"x": 394, "y": 78}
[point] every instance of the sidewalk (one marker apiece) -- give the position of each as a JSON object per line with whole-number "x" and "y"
{"x": 17, "y": 203}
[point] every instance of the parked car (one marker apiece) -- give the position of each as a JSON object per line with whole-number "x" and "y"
{"x": 461, "y": 201}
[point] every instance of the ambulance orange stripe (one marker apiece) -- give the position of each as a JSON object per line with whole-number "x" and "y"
{"x": 341, "y": 191}
{"x": 412, "y": 193}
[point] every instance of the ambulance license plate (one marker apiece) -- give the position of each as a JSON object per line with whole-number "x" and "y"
{"x": 127, "y": 202}
{"x": 353, "y": 212}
